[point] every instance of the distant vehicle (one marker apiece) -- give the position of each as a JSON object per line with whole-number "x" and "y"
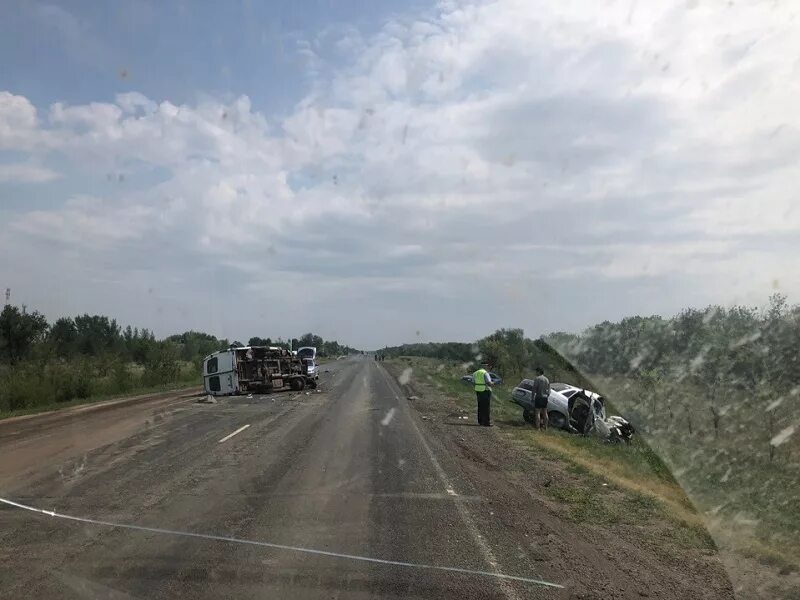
{"x": 255, "y": 369}
{"x": 308, "y": 354}
{"x": 557, "y": 404}
{"x": 496, "y": 379}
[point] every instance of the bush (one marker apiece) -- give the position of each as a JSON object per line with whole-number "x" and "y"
{"x": 121, "y": 377}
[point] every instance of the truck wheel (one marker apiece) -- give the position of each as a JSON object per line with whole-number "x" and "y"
{"x": 528, "y": 416}
{"x": 297, "y": 384}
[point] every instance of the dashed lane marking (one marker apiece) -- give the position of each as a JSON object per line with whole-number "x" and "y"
{"x": 230, "y": 435}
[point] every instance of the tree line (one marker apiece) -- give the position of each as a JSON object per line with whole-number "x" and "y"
{"x": 91, "y": 355}
{"x": 507, "y": 351}
{"x": 324, "y": 347}
{"x": 704, "y": 361}
{"x": 740, "y": 346}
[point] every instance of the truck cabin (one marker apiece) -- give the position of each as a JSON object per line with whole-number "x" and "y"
{"x": 308, "y": 356}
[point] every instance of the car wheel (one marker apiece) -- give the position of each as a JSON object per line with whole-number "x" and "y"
{"x": 528, "y": 416}
{"x": 556, "y": 420}
{"x": 297, "y": 384}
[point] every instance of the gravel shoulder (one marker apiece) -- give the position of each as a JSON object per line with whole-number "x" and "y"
{"x": 567, "y": 524}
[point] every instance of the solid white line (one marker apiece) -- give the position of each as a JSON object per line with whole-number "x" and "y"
{"x": 224, "y": 538}
{"x": 230, "y": 435}
{"x": 483, "y": 546}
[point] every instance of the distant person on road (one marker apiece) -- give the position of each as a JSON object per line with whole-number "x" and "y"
{"x": 541, "y": 394}
{"x": 482, "y": 381}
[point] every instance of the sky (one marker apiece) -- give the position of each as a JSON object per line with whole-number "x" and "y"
{"x": 382, "y": 172}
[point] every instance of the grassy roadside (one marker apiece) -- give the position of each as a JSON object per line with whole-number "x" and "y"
{"x": 751, "y": 498}
{"x": 51, "y": 406}
{"x": 618, "y": 484}
{"x": 646, "y": 487}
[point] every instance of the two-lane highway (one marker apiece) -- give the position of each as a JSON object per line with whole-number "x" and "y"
{"x": 348, "y": 471}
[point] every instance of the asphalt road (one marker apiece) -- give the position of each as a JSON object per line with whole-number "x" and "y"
{"x": 348, "y": 470}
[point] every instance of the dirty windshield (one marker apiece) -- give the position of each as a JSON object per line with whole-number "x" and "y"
{"x": 399, "y": 299}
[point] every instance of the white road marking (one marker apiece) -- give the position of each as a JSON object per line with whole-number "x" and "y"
{"x": 230, "y": 435}
{"x": 388, "y": 418}
{"x": 475, "y": 533}
{"x": 300, "y": 549}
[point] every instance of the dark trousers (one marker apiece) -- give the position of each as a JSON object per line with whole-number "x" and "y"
{"x": 484, "y": 400}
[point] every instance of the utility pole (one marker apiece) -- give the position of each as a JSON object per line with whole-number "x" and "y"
{"x": 8, "y": 296}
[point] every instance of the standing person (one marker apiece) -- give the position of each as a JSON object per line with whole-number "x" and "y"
{"x": 481, "y": 380}
{"x": 541, "y": 393}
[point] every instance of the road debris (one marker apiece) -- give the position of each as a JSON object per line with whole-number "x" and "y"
{"x": 208, "y": 399}
{"x": 413, "y": 398}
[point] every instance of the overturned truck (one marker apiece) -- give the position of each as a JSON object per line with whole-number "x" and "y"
{"x": 258, "y": 369}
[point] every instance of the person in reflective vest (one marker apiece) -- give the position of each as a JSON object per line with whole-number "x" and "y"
{"x": 482, "y": 381}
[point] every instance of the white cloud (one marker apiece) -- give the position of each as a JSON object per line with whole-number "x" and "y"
{"x": 18, "y": 122}
{"x": 463, "y": 159}
{"x": 25, "y": 173}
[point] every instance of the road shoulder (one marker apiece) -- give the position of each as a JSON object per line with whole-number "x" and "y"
{"x": 93, "y": 405}
{"x": 544, "y": 514}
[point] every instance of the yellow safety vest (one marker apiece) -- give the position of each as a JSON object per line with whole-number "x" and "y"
{"x": 479, "y": 379}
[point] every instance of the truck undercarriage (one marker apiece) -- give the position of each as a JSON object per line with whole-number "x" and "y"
{"x": 263, "y": 369}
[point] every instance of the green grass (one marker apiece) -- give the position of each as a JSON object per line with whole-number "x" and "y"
{"x": 752, "y": 498}
{"x": 665, "y": 473}
{"x": 34, "y": 388}
{"x": 638, "y": 484}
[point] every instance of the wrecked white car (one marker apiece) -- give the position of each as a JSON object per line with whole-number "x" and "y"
{"x": 575, "y": 410}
